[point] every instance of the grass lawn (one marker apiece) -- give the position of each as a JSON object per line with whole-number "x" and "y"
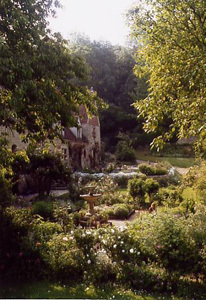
{"x": 123, "y": 191}
{"x": 180, "y": 162}
{"x": 48, "y": 290}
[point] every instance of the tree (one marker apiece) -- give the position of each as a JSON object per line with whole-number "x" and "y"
{"x": 38, "y": 74}
{"x": 111, "y": 75}
{"x": 171, "y": 35}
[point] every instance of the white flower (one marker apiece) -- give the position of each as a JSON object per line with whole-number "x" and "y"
{"x": 119, "y": 237}
{"x": 115, "y": 246}
{"x": 72, "y": 232}
{"x": 112, "y": 231}
{"x": 83, "y": 235}
{"x": 88, "y": 232}
{"x": 121, "y": 242}
{"x": 131, "y": 250}
{"x": 123, "y": 251}
{"x": 65, "y": 239}
{"x": 104, "y": 242}
{"x": 138, "y": 253}
{"x": 89, "y": 261}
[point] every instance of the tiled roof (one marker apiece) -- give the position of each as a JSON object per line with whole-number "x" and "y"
{"x": 68, "y": 135}
{"x": 85, "y": 119}
{"x": 94, "y": 121}
{"x": 83, "y": 114}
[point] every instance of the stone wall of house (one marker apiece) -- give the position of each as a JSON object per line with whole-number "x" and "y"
{"x": 86, "y": 149}
{"x": 13, "y": 137}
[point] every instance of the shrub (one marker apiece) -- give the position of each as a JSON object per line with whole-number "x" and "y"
{"x": 124, "y": 152}
{"x": 121, "y": 211}
{"x": 159, "y": 170}
{"x": 46, "y": 168}
{"x": 147, "y": 169}
{"x": 64, "y": 259}
{"x": 152, "y": 170}
{"x": 44, "y": 209}
{"x": 136, "y": 189}
{"x": 6, "y": 196}
{"x": 151, "y": 186}
{"x": 122, "y": 181}
{"x": 17, "y": 259}
{"x": 166, "y": 241}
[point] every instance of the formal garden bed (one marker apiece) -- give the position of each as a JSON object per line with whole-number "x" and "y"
{"x": 162, "y": 251}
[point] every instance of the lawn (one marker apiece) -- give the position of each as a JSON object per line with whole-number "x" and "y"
{"x": 48, "y": 290}
{"x": 181, "y": 162}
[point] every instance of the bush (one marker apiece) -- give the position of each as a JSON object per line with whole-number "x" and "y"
{"x": 136, "y": 189}
{"x": 121, "y": 211}
{"x": 64, "y": 259}
{"x": 152, "y": 170}
{"x": 46, "y": 168}
{"x": 44, "y": 209}
{"x": 124, "y": 152}
{"x": 6, "y": 196}
{"x": 147, "y": 169}
{"x": 122, "y": 181}
{"x": 151, "y": 186}
{"x": 166, "y": 241}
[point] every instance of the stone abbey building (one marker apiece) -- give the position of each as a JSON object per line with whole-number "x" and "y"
{"x": 80, "y": 147}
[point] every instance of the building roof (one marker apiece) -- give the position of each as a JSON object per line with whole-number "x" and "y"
{"x": 94, "y": 121}
{"x": 68, "y": 135}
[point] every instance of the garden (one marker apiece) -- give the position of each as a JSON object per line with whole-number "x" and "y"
{"x": 52, "y": 241}
{"x": 137, "y": 230}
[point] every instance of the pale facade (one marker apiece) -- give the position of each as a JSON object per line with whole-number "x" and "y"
{"x": 81, "y": 145}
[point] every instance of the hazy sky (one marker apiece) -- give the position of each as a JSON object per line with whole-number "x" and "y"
{"x": 99, "y": 19}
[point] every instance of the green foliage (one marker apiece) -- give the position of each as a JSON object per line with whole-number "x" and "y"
{"x": 125, "y": 152}
{"x": 44, "y": 209}
{"x": 166, "y": 241}
{"x": 65, "y": 260}
{"x": 152, "y": 170}
{"x": 121, "y": 211}
{"x": 136, "y": 187}
{"x": 172, "y": 54}
{"x": 111, "y": 75}
{"x": 118, "y": 211}
{"x": 151, "y": 186}
{"x": 38, "y": 74}
{"x": 6, "y": 173}
{"x": 46, "y": 167}
{"x": 151, "y": 253}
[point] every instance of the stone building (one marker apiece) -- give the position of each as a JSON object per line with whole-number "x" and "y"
{"x": 82, "y": 144}
{"x": 80, "y": 147}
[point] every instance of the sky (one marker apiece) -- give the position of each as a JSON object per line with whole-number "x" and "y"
{"x": 99, "y": 19}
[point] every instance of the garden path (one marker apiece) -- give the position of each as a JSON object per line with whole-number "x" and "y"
{"x": 132, "y": 218}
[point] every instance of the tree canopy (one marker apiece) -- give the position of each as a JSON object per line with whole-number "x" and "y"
{"x": 39, "y": 76}
{"x": 111, "y": 75}
{"x": 171, "y": 35}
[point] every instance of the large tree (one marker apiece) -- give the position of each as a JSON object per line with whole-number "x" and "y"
{"x": 38, "y": 74}
{"x": 171, "y": 35}
{"x": 111, "y": 75}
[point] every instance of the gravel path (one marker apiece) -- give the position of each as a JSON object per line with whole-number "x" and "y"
{"x": 121, "y": 223}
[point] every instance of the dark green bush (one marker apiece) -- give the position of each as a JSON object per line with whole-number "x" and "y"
{"x": 124, "y": 152}
{"x": 147, "y": 169}
{"x": 152, "y": 170}
{"x": 44, "y": 209}
{"x": 122, "y": 181}
{"x": 136, "y": 189}
{"x": 166, "y": 241}
{"x": 151, "y": 186}
{"x": 121, "y": 211}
